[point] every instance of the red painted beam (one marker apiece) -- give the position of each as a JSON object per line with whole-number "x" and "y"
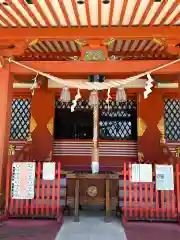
{"x": 123, "y": 33}
{"x": 84, "y": 68}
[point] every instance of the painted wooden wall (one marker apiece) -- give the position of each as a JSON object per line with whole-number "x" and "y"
{"x": 77, "y": 154}
{"x": 42, "y": 118}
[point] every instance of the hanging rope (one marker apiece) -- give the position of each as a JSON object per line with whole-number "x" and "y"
{"x": 74, "y": 102}
{"x": 94, "y": 85}
{"x": 34, "y": 85}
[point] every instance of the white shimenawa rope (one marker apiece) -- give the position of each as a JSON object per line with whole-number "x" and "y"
{"x": 80, "y": 84}
{"x": 74, "y": 102}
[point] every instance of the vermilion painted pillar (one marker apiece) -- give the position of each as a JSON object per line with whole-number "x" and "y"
{"x": 6, "y": 85}
{"x": 151, "y": 126}
{"x": 42, "y": 123}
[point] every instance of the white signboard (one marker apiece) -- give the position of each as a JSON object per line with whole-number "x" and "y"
{"x": 141, "y": 173}
{"x": 164, "y": 177}
{"x": 23, "y": 179}
{"x": 135, "y": 177}
{"x": 49, "y": 171}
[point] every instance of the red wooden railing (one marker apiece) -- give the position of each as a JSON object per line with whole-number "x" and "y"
{"x": 141, "y": 201}
{"x": 47, "y": 200}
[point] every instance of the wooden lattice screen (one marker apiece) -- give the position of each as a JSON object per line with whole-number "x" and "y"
{"x": 20, "y": 119}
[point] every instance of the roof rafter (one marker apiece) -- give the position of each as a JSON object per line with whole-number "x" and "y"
{"x": 123, "y": 12}
{"x": 9, "y": 15}
{"x": 160, "y": 51}
{"x": 5, "y": 21}
{"x": 160, "y": 8}
{"x": 53, "y": 13}
{"x": 88, "y": 13}
{"x": 136, "y": 7}
{"x": 30, "y": 13}
{"x": 76, "y": 12}
{"x": 145, "y": 46}
{"x": 170, "y": 11}
{"x": 129, "y": 47}
{"x": 123, "y": 33}
{"x": 99, "y": 13}
{"x": 136, "y": 48}
{"x": 41, "y": 12}
{"x": 18, "y": 12}
{"x": 65, "y": 14}
{"x": 111, "y": 13}
{"x": 148, "y": 8}
{"x": 175, "y": 19}
{"x": 114, "y": 46}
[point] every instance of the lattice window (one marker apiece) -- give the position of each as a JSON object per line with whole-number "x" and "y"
{"x": 81, "y": 105}
{"x": 20, "y": 119}
{"x": 172, "y": 119}
{"x": 119, "y": 121}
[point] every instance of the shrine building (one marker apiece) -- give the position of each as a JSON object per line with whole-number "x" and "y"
{"x": 90, "y": 108}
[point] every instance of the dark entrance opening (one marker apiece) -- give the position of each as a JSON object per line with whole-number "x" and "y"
{"x": 73, "y": 125}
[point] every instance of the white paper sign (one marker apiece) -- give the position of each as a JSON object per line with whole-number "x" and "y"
{"x": 145, "y": 172}
{"x": 135, "y": 173}
{"x": 141, "y": 173}
{"x": 49, "y": 171}
{"x": 164, "y": 177}
{"x": 23, "y": 179}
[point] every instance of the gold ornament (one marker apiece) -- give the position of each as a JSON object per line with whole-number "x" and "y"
{"x": 141, "y": 127}
{"x": 162, "y": 139}
{"x": 109, "y": 42}
{"x": 140, "y": 157}
{"x": 50, "y": 126}
{"x": 29, "y": 138}
{"x": 92, "y": 191}
{"x": 33, "y": 42}
{"x": 33, "y": 124}
{"x": 178, "y": 152}
{"x": 160, "y": 125}
{"x": 80, "y": 42}
{"x": 161, "y": 42}
{"x": 11, "y": 150}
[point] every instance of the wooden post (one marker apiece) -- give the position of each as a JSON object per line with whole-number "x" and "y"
{"x": 108, "y": 202}
{"x": 76, "y": 203}
{"x": 95, "y": 150}
{"x": 11, "y": 153}
{"x": 5, "y": 118}
{"x": 150, "y": 129}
